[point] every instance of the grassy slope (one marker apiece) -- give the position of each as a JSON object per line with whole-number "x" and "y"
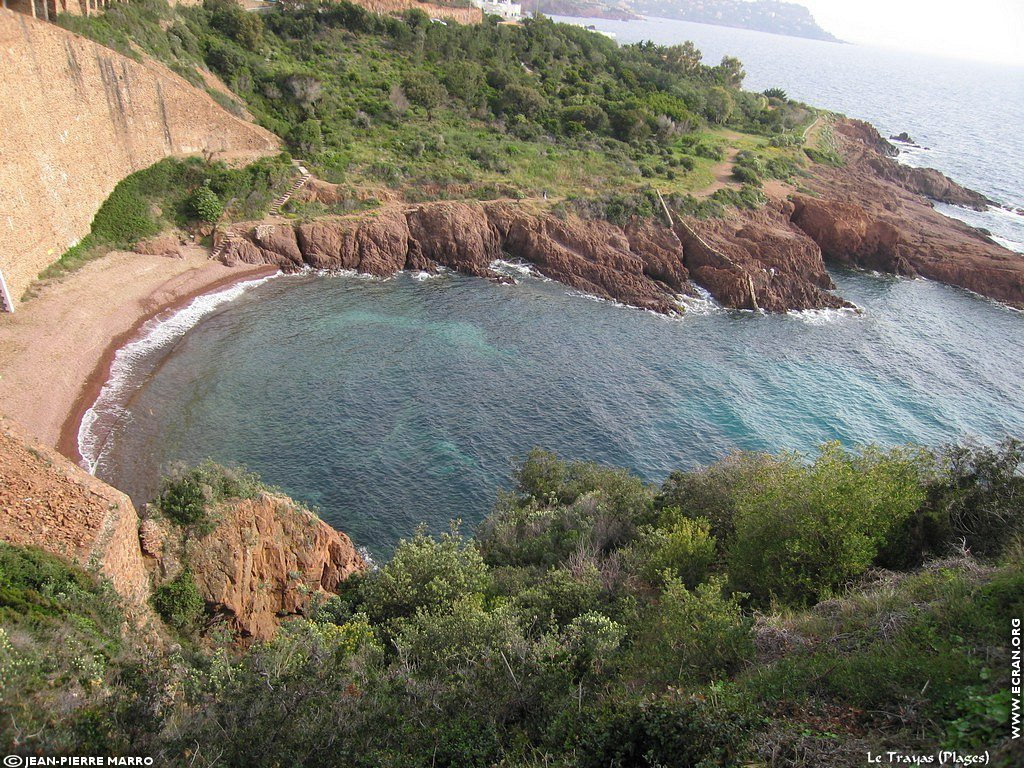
{"x": 430, "y": 110}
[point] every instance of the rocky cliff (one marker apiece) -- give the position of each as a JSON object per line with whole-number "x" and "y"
{"x": 877, "y": 214}
{"x": 48, "y": 502}
{"x": 266, "y": 559}
{"x": 871, "y": 213}
{"x": 77, "y": 118}
{"x": 645, "y": 264}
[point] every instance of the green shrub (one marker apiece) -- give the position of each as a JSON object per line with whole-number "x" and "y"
{"x": 179, "y": 602}
{"x": 824, "y": 157}
{"x": 204, "y": 204}
{"x": 690, "y": 636}
{"x": 697, "y": 729}
{"x": 680, "y": 546}
{"x": 424, "y": 573}
{"x": 978, "y": 497}
{"x": 187, "y": 495}
{"x": 803, "y": 532}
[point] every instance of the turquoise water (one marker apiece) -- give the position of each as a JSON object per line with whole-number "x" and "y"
{"x": 391, "y": 403}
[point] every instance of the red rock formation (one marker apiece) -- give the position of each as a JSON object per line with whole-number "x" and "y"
{"x": 642, "y": 267}
{"x": 267, "y": 559}
{"x": 48, "y": 502}
{"x": 871, "y": 214}
{"x": 759, "y": 260}
{"x": 868, "y": 214}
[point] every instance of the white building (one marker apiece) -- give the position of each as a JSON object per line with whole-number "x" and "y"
{"x": 506, "y": 9}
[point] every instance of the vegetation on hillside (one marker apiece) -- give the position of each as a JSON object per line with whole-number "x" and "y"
{"x": 763, "y": 610}
{"x": 441, "y": 110}
{"x": 176, "y": 193}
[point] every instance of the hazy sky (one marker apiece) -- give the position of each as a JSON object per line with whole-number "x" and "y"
{"x": 989, "y": 30}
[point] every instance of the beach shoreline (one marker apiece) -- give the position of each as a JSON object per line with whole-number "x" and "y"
{"x": 56, "y": 351}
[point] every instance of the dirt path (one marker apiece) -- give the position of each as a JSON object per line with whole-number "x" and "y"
{"x": 58, "y": 346}
{"x": 722, "y": 173}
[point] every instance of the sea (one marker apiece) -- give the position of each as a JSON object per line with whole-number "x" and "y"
{"x": 391, "y": 405}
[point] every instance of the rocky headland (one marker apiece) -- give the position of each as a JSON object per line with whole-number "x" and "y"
{"x": 871, "y": 213}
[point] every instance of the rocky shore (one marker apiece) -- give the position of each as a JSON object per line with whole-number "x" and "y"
{"x": 871, "y": 213}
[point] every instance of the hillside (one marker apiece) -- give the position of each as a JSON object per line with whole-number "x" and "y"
{"x": 766, "y": 610}
{"x": 388, "y": 113}
{"x": 79, "y": 117}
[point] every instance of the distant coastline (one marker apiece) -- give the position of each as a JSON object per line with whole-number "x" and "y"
{"x": 771, "y": 16}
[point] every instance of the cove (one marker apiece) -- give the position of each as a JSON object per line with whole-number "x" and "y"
{"x": 385, "y": 404}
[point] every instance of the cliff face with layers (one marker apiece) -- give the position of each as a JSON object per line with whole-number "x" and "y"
{"x": 771, "y": 264}
{"x": 77, "y": 118}
{"x": 267, "y": 559}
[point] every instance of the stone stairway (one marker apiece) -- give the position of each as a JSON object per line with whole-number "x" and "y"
{"x": 299, "y": 183}
{"x": 231, "y": 236}
{"x": 225, "y": 243}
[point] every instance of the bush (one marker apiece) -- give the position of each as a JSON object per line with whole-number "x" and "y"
{"x": 424, "y": 574}
{"x": 681, "y": 547}
{"x": 690, "y": 636}
{"x": 307, "y": 137}
{"x": 697, "y": 729}
{"x": 186, "y": 495}
{"x": 179, "y": 603}
{"x": 803, "y": 532}
{"x": 204, "y": 204}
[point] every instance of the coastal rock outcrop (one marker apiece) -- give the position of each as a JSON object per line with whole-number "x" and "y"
{"x": 266, "y": 560}
{"x": 872, "y": 213}
{"x": 759, "y": 260}
{"x": 643, "y": 267}
{"x": 644, "y": 264}
{"x": 46, "y": 501}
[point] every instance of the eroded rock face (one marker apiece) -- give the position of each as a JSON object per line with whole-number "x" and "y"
{"x": 644, "y": 265}
{"x": 871, "y": 214}
{"x": 162, "y": 245}
{"x": 598, "y": 258}
{"x": 849, "y": 235}
{"x": 46, "y": 501}
{"x": 760, "y": 260}
{"x": 266, "y": 560}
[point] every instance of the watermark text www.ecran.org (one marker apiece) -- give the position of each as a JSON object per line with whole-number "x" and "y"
{"x": 1015, "y": 659}
{"x": 18, "y": 761}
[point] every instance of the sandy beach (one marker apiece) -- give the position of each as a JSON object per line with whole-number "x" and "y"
{"x": 56, "y": 349}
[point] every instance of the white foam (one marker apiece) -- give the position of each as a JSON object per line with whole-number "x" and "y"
{"x": 517, "y": 269}
{"x": 421, "y": 276}
{"x": 703, "y": 303}
{"x": 364, "y": 552}
{"x": 824, "y": 316}
{"x": 100, "y": 419}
